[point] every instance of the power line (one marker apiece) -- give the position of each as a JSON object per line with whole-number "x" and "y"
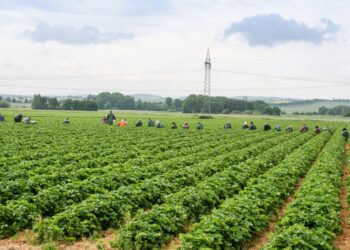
{"x": 4, "y": 78}
{"x": 280, "y": 77}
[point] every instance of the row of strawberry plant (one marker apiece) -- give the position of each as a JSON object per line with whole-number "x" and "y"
{"x": 103, "y": 211}
{"x": 312, "y": 219}
{"x": 152, "y": 229}
{"x": 97, "y": 179}
{"x": 98, "y": 155}
{"x": 247, "y": 213}
{"x": 56, "y": 175}
{"x": 54, "y": 199}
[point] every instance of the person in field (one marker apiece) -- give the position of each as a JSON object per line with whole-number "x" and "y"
{"x": 186, "y": 126}
{"x": 122, "y": 123}
{"x": 173, "y": 125}
{"x": 66, "y": 120}
{"x": 317, "y": 130}
{"x": 28, "y": 121}
{"x": 200, "y": 126}
{"x": 110, "y": 118}
{"x": 2, "y": 118}
{"x": 252, "y": 126}
{"x": 267, "y": 127}
{"x": 345, "y": 134}
{"x": 150, "y": 123}
{"x": 139, "y": 123}
{"x": 227, "y": 125}
{"x": 159, "y": 124}
{"x": 304, "y": 129}
{"x": 289, "y": 129}
{"x": 245, "y": 125}
{"x": 278, "y": 127}
{"x": 18, "y": 118}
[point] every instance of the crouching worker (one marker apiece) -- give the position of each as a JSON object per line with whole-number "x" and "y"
{"x": 18, "y": 118}
{"x": 227, "y": 125}
{"x": 139, "y": 123}
{"x": 66, "y": 120}
{"x": 200, "y": 126}
{"x": 28, "y": 121}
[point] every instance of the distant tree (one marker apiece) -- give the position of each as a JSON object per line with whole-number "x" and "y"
{"x": 13, "y": 100}
{"x": 39, "y": 102}
{"x": 168, "y": 103}
{"x": 178, "y": 104}
{"x": 277, "y": 111}
{"x": 53, "y": 103}
{"x": 322, "y": 110}
{"x": 8, "y": 99}
{"x": 4, "y": 104}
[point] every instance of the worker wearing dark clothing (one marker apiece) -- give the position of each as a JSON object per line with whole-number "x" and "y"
{"x": 304, "y": 129}
{"x": 2, "y": 118}
{"x": 289, "y": 129}
{"x": 227, "y": 125}
{"x": 173, "y": 125}
{"x": 139, "y": 123}
{"x": 160, "y": 124}
{"x": 200, "y": 126}
{"x": 345, "y": 134}
{"x": 317, "y": 130}
{"x": 252, "y": 126}
{"x": 245, "y": 125}
{"x": 110, "y": 118}
{"x": 267, "y": 127}
{"x": 18, "y": 118}
{"x": 150, "y": 123}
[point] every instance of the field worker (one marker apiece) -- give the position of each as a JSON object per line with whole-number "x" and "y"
{"x": 122, "y": 123}
{"x": 278, "y": 127}
{"x": 110, "y": 118}
{"x": 317, "y": 130}
{"x": 245, "y": 125}
{"x": 200, "y": 126}
{"x": 186, "y": 126}
{"x": 289, "y": 128}
{"x": 267, "y": 127}
{"x": 139, "y": 123}
{"x": 150, "y": 123}
{"x": 304, "y": 129}
{"x": 173, "y": 125}
{"x": 28, "y": 121}
{"x": 160, "y": 124}
{"x": 66, "y": 120}
{"x": 2, "y": 118}
{"x": 227, "y": 125}
{"x": 18, "y": 118}
{"x": 104, "y": 120}
{"x": 252, "y": 126}
{"x": 345, "y": 134}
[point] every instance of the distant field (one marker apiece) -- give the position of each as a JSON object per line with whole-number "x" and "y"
{"x": 312, "y": 107}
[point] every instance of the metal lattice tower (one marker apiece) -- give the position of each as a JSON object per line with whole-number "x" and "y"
{"x": 207, "y": 65}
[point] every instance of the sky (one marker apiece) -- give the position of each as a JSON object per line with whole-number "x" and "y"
{"x": 285, "y": 48}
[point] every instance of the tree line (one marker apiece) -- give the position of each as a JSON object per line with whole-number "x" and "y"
{"x": 44, "y": 102}
{"x": 340, "y": 110}
{"x": 221, "y": 104}
{"x": 191, "y": 104}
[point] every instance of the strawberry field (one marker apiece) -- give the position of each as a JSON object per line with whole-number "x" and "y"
{"x": 171, "y": 188}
